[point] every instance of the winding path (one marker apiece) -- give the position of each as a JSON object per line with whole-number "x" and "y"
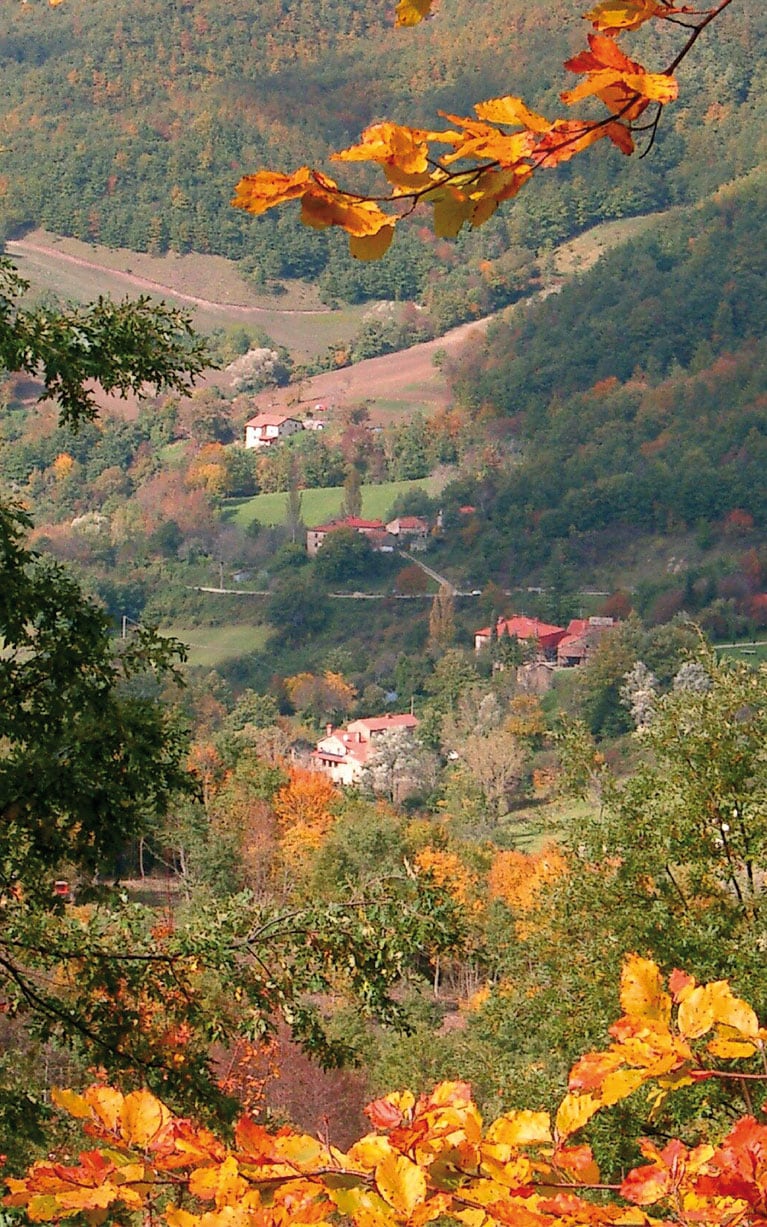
{"x": 21, "y": 247}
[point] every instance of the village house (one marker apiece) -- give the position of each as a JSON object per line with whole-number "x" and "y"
{"x": 267, "y": 428}
{"x": 580, "y": 639}
{"x": 412, "y": 532}
{"x": 343, "y": 752}
{"x": 567, "y": 646}
{"x": 540, "y": 635}
{"x": 374, "y": 530}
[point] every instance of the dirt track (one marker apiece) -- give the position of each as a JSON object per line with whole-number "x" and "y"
{"x": 23, "y": 246}
{"x": 391, "y": 383}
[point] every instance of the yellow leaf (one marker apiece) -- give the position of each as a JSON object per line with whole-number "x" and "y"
{"x": 642, "y": 993}
{"x": 623, "y": 14}
{"x": 71, "y": 1102}
{"x": 406, "y": 148}
{"x": 697, "y": 1012}
{"x": 107, "y": 1104}
{"x": 222, "y": 1184}
{"x": 43, "y": 1208}
{"x": 411, "y": 12}
{"x": 656, "y": 86}
{"x": 363, "y": 1208}
{"x": 621, "y": 1084}
{"x": 435, "y": 1207}
{"x": 521, "y": 1128}
{"x": 371, "y": 246}
{"x": 471, "y": 1218}
{"x": 401, "y": 1182}
{"x": 180, "y": 1218}
{"x": 730, "y": 1011}
{"x": 299, "y": 1149}
{"x": 731, "y": 1050}
{"x": 451, "y": 210}
{"x": 511, "y": 110}
{"x": 573, "y": 1112}
{"x": 369, "y": 1151}
{"x": 141, "y": 1118}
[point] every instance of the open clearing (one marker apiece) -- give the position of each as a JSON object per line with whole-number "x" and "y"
{"x": 318, "y": 506}
{"x": 211, "y": 289}
{"x": 209, "y": 646}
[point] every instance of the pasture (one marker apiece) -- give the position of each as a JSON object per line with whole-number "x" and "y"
{"x": 319, "y": 506}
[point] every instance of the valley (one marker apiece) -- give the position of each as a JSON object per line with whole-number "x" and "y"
{"x": 460, "y": 754}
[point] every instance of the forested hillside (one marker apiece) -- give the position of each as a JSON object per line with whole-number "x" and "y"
{"x": 130, "y": 123}
{"x": 637, "y": 395}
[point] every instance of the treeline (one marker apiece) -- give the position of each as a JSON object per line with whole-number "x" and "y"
{"x": 129, "y": 124}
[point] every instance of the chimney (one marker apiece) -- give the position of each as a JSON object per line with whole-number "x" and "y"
{"x": 328, "y": 730}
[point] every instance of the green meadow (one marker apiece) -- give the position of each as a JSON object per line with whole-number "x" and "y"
{"x": 319, "y": 506}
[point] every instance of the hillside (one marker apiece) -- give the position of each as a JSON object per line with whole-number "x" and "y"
{"x": 129, "y": 123}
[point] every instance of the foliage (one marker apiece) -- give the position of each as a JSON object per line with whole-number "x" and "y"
{"x": 486, "y": 164}
{"x": 433, "y": 1158}
{"x": 85, "y": 763}
{"x": 122, "y": 346}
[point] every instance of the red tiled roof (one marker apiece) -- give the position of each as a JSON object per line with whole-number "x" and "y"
{"x": 525, "y": 628}
{"x": 350, "y": 522}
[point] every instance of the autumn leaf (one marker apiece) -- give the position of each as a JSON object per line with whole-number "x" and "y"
{"x": 511, "y": 110}
{"x": 405, "y": 148}
{"x": 521, "y": 1128}
{"x": 141, "y": 1118}
{"x": 573, "y": 1113}
{"x": 614, "y": 15}
{"x": 71, "y": 1102}
{"x": 321, "y": 208}
{"x": 371, "y": 246}
{"x": 642, "y": 993}
{"x": 411, "y": 12}
{"x": 267, "y": 188}
{"x": 401, "y": 1183}
{"x": 222, "y": 1184}
{"x": 388, "y": 1112}
{"x": 363, "y": 1208}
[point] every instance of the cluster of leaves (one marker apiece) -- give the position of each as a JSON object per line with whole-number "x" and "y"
{"x": 432, "y": 1158}
{"x": 122, "y": 346}
{"x": 490, "y": 157}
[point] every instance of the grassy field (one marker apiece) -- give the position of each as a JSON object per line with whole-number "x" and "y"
{"x": 80, "y": 272}
{"x": 753, "y": 652}
{"x": 322, "y": 505}
{"x": 208, "y": 646}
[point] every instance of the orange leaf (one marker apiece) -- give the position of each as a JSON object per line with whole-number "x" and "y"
{"x": 406, "y": 148}
{"x": 321, "y": 208}
{"x": 257, "y": 193}
{"x": 511, "y": 110}
{"x": 371, "y": 246}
